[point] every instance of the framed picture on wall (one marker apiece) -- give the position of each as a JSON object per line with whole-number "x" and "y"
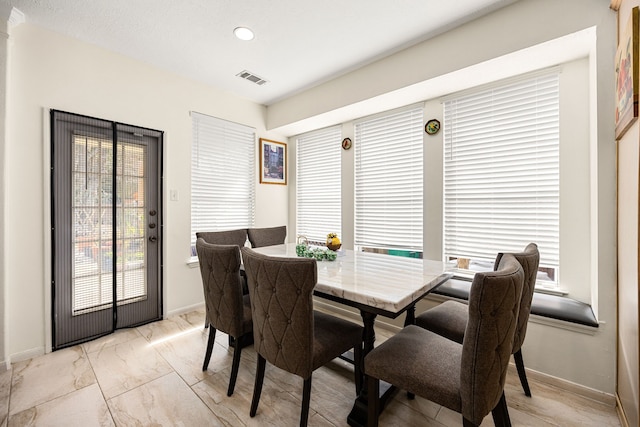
{"x": 273, "y": 162}
{"x": 627, "y": 76}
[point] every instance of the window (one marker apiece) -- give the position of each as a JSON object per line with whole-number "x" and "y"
{"x": 222, "y": 175}
{"x": 318, "y": 184}
{"x": 501, "y": 173}
{"x": 389, "y": 182}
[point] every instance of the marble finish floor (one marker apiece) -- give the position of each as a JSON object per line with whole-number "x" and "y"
{"x": 152, "y": 376}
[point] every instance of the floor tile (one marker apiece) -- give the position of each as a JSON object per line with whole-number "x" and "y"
{"x": 80, "y": 408}
{"x": 185, "y": 353}
{"x": 118, "y": 337}
{"x": 165, "y": 401}
{"x": 5, "y": 393}
{"x": 127, "y": 365}
{"x": 47, "y": 377}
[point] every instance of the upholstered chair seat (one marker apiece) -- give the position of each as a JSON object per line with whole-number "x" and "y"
{"x": 227, "y": 309}
{"x": 449, "y": 319}
{"x": 287, "y": 332}
{"x": 467, "y": 378}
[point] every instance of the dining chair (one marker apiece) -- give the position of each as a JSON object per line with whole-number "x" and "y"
{"x": 449, "y": 319}
{"x": 269, "y": 236}
{"x": 227, "y": 309}
{"x": 227, "y": 237}
{"x": 467, "y": 378}
{"x": 287, "y": 331}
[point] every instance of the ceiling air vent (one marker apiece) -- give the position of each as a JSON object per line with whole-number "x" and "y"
{"x": 251, "y": 77}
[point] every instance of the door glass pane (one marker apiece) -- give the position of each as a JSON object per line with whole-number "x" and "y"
{"x": 92, "y": 182}
{"x": 132, "y": 279}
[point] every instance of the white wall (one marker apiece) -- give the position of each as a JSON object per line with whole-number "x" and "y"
{"x": 51, "y": 71}
{"x": 588, "y": 169}
{"x": 628, "y": 257}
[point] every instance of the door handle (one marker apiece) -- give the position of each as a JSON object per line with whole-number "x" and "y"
{"x": 153, "y": 239}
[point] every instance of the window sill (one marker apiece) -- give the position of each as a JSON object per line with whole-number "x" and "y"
{"x": 193, "y": 262}
{"x": 551, "y": 308}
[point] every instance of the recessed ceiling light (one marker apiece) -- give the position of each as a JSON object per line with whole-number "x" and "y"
{"x": 243, "y": 33}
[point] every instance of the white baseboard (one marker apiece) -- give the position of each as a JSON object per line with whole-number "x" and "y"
{"x": 590, "y": 393}
{"x": 26, "y": 355}
{"x": 182, "y": 310}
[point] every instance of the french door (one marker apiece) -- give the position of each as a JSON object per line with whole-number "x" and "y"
{"x": 107, "y": 227}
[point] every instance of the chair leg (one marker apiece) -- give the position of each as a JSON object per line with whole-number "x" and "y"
{"x": 517, "y": 356}
{"x": 467, "y": 423}
{"x": 357, "y": 367}
{"x": 257, "y": 387}
{"x": 237, "y": 351}
{"x": 306, "y": 398}
{"x": 207, "y": 355}
{"x": 501, "y": 413}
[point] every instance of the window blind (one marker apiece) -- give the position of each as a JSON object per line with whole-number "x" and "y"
{"x": 389, "y": 180}
{"x": 222, "y": 175}
{"x": 318, "y": 181}
{"x": 501, "y": 171}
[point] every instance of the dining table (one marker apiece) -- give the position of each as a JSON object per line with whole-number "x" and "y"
{"x": 376, "y": 284}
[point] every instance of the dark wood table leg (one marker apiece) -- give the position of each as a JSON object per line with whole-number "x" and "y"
{"x": 410, "y": 320}
{"x": 358, "y": 415}
{"x": 411, "y": 316}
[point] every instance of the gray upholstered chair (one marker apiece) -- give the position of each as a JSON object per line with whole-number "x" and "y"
{"x": 469, "y": 377}
{"x": 269, "y": 236}
{"x": 449, "y": 319}
{"x": 228, "y": 310}
{"x": 287, "y": 332}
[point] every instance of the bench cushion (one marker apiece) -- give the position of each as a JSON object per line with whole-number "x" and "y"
{"x": 552, "y": 306}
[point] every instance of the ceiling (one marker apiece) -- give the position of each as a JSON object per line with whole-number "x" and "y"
{"x": 298, "y": 43}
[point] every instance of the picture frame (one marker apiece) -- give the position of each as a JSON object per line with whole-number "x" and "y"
{"x": 626, "y": 63}
{"x": 273, "y": 162}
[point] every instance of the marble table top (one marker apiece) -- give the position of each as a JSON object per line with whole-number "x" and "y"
{"x": 384, "y": 282}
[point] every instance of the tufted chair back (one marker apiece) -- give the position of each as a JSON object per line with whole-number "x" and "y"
{"x": 230, "y": 237}
{"x": 529, "y": 259}
{"x": 494, "y": 303}
{"x": 260, "y": 237}
{"x": 281, "y": 291}
{"x": 220, "y": 269}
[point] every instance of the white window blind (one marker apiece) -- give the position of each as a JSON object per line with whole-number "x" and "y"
{"x": 501, "y": 171}
{"x": 318, "y": 183}
{"x": 222, "y": 175}
{"x": 389, "y": 180}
